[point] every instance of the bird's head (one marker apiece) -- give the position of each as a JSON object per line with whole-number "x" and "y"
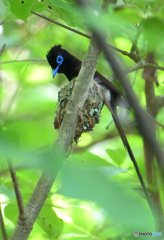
{"x": 62, "y": 61}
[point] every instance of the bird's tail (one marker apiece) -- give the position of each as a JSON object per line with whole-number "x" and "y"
{"x": 120, "y": 130}
{"x": 124, "y": 140}
{"x": 130, "y": 152}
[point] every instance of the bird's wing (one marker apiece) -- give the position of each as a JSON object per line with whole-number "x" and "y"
{"x": 106, "y": 83}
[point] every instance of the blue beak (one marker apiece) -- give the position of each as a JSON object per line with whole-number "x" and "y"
{"x": 59, "y": 60}
{"x": 55, "y": 71}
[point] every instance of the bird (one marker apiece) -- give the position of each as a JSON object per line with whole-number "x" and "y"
{"x": 61, "y": 61}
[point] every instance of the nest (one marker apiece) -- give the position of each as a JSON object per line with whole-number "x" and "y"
{"x": 88, "y": 116}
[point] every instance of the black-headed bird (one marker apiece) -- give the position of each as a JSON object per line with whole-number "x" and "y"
{"x": 61, "y": 61}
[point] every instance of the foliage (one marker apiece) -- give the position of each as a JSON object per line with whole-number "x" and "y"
{"x": 95, "y": 194}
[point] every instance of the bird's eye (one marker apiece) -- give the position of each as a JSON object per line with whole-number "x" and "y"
{"x": 59, "y": 59}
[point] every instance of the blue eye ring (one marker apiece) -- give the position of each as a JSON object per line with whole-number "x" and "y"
{"x": 59, "y": 59}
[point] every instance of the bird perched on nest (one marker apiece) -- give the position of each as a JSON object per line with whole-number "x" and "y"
{"x": 61, "y": 61}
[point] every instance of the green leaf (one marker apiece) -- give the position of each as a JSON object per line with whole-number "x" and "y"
{"x": 39, "y": 6}
{"x": 88, "y": 159}
{"x": 123, "y": 206}
{"x": 9, "y": 144}
{"x": 49, "y": 222}
{"x": 22, "y": 8}
{"x": 112, "y": 171}
{"x": 11, "y": 212}
{"x": 118, "y": 156}
{"x": 152, "y": 29}
{"x": 67, "y": 11}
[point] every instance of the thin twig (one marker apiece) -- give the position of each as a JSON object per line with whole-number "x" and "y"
{"x": 140, "y": 65}
{"x": 134, "y": 47}
{"x": 2, "y": 225}
{"x": 17, "y": 190}
{"x": 61, "y": 25}
{"x": 131, "y": 55}
{"x": 24, "y": 60}
{"x": 143, "y": 64}
{"x": 2, "y": 49}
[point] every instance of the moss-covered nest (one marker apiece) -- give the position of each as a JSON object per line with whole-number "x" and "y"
{"x": 88, "y": 116}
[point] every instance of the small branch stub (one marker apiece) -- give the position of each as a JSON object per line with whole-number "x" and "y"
{"x": 88, "y": 116}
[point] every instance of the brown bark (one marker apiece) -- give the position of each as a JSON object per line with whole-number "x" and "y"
{"x": 150, "y": 76}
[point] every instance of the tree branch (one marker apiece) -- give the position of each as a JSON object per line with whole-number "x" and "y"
{"x": 61, "y": 25}
{"x": 33, "y": 207}
{"x": 24, "y": 60}
{"x": 17, "y": 190}
{"x": 64, "y": 140}
{"x": 79, "y": 95}
{"x": 142, "y": 64}
{"x": 139, "y": 65}
{"x": 150, "y": 76}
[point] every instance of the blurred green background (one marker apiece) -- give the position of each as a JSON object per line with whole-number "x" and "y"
{"x": 28, "y": 101}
